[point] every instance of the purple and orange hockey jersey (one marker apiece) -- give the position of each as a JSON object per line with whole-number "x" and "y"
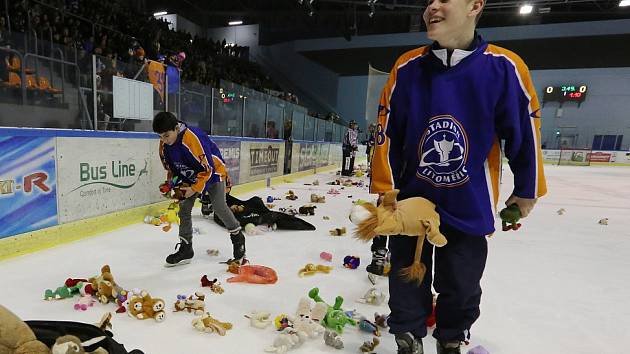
{"x": 441, "y": 119}
{"x": 194, "y": 158}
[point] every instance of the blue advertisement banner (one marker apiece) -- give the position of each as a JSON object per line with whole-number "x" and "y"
{"x": 231, "y": 152}
{"x": 28, "y": 184}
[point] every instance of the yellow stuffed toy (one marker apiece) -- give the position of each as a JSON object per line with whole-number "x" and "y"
{"x": 410, "y": 217}
{"x": 16, "y": 337}
{"x": 169, "y": 216}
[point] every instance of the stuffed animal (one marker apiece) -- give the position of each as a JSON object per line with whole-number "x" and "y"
{"x": 259, "y": 319}
{"x": 207, "y": 323}
{"x": 311, "y": 269}
{"x": 291, "y": 195}
{"x": 318, "y": 198}
{"x": 333, "y": 339}
{"x": 214, "y": 285}
{"x": 307, "y": 209}
{"x": 373, "y": 297}
{"x": 255, "y": 274}
{"x": 62, "y": 292}
{"x": 69, "y": 344}
{"x": 237, "y": 209}
{"x": 190, "y": 304}
{"x": 335, "y": 317}
{"x": 510, "y": 217}
{"x": 144, "y": 307}
{"x": 338, "y": 231}
{"x": 16, "y": 337}
{"x": 368, "y": 347}
{"x": 308, "y": 320}
{"x": 368, "y": 326}
{"x": 106, "y": 288}
{"x": 410, "y": 217}
{"x": 134, "y": 309}
{"x": 152, "y": 308}
{"x": 288, "y": 339}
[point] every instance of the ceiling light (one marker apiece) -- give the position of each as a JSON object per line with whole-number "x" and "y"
{"x": 161, "y": 13}
{"x": 624, "y": 3}
{"x": 235, "y": 23}
{"x": 526, "y": 9}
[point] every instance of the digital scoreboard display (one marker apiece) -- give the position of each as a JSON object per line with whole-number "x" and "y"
{"x": 227, "y": 97}
{"x": 565, "y": 93}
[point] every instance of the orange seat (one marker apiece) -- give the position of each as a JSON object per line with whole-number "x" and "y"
{"x": 15, "y": 64}
{"x": 44, "y": 85}
{"x": 14, "y": 80}
{"x": 31, "y": 83}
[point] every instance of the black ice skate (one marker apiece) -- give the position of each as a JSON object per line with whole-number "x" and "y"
{"x": 183, "y": 255}
{"x": 451, "y": 347}
{"x": 408, "y": 344}
{"x": 238, "y": 249}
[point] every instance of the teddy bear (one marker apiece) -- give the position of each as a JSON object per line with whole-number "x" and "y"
{"x": 410, "y": 217}
{"x": 307, "y": 209}
{"x": 134, "y": 308}
{"x": 207, "y": 323}
{"x": 106, "y": 288}
{"x": 288, "y": 339}
{"x": 152, "y": 308}
{"x": 69, "y": 344}
{"x": 144, "y": 307}
{"x": 307, "y": 319}
{"x": 318, "y": 198}
{"x": 191, "y": 304}
{"x": 16, "y": 337}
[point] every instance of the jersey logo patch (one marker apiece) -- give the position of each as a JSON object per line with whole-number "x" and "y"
{"x": 443, "y": 151}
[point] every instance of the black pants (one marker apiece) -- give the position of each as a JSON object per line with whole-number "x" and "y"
{"x": 347, "y": 164}
{"x": 459, "y": 266}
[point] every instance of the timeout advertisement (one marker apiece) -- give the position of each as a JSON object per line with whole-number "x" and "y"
{"x": 261, "y": 160}
{"x": 28, "y": 187}
{"x": 231, "y": 153}
{"x": 99, "y": 176}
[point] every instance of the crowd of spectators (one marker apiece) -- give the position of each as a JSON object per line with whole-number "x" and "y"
{"x": 122, "y": 34}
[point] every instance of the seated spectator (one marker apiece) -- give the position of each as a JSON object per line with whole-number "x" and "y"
{"x": 272, "y": 132}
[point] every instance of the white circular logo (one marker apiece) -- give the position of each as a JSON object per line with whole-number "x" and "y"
{"x": 443, "y": 151}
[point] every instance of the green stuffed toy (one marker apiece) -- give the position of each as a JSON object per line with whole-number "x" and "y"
{"x": 335, "y": 317}
{"x": 510, "y": 217}
{"x": 62, "y": 292}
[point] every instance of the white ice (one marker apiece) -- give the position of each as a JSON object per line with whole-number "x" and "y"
{"x": 558, "y": 285}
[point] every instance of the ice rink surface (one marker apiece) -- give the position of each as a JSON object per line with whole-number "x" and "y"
{"x": 558, "y": 285}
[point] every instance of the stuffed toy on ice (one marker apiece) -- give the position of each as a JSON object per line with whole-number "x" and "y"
{"x": 16, "y": 337}
{"x": 69, "y": 344}
{"x": 410, "y": 217}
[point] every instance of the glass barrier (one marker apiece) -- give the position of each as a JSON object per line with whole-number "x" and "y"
{"x": 321, "y": 129}
{"x": 227, "y": 114}
{"x": 196, "y": 105}
{"x": 274, "y": 123}
{"x": 309, "y": 128}
{"x": 297, "y": 129}
{"x": 254, "y": 118}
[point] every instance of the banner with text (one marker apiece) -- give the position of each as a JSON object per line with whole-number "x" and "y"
{"x": 231, "y": 153}
{"x": 261, "y": 160}
{"x": 28, "y": 190}
{"x": 99, "y": 176}
{"x": 308, "y": 156}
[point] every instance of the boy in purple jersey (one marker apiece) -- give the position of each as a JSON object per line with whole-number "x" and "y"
{"x": 442, "y": 116}
{"x": 189, "y": 154}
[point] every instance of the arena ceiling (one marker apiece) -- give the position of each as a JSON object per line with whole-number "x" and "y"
{"x": 283, "y": 20}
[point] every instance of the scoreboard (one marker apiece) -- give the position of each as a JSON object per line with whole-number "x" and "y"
{"x": 565, "y": 93}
